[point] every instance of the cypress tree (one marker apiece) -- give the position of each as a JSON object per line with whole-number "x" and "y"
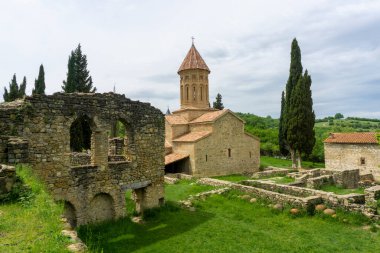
{"x": 218, "y": 102}
{"x": 78, "y": 77}
{"x": 39, "y": 83}
{"x": 301, "y": 118}
{"x": 295, "y": 72}
{"x": 281, "y": 130}
{"x": 21, "y": 92}
{"x": 14, "y": 91}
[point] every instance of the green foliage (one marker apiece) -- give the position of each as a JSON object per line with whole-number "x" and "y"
{"x": 32, "y": 223}
{"x": 233, "y": 178}
{"x": 341, "y": 190}
{"x": 78, "y": 77}
{"x": 282, "y": 128}
{"x": 300, "y": 117}
{"x": 39, "y": 83}
{"x": 338, "y": 116}
{"x": 15, "y": 91}
{"x": 218, "y": 102}
{"x": 266, "y": 161}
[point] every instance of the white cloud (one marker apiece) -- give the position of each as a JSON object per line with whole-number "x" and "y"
{"x": 139, "y": 45}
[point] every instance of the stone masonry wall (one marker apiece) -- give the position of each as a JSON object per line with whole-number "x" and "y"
{"x": 348, "y": 156}
{"x": 228, "y": 134}
{"x": 44, "y": 123}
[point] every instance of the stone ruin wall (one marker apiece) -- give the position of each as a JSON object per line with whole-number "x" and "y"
{"x": 36, "y": 130}
{"x": 347, "y": 156}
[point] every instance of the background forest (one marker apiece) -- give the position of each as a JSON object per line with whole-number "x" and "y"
{"x": 266, "y": 128}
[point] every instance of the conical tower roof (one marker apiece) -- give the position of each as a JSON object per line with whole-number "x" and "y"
{"x": 193, "y": 60}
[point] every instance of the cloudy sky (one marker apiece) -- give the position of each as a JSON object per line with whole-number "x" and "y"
{"x": 138, "y": 46}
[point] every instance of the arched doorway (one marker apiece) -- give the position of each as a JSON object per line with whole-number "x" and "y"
{"x": 70, "y": 214}
{"x": 102, "y": 208}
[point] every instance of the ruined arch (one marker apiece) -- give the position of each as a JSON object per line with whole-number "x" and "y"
{"x": 69, "y": 212}
{"x": 122, "y": 141}
{"x": 101, "y": 207}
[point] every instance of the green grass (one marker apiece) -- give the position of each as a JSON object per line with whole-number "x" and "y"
{"x": 281, "y": 180}
{"x": 226, "y": 223}
{"x": 339, "y": 190}
{"x": 266, "y": 161}
{"x": 31, "y": 224}
{"x": 183, "y": 189}
{"x": 233, "y": 178}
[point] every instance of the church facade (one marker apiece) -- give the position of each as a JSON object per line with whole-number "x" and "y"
{"x": 202, "y": 141}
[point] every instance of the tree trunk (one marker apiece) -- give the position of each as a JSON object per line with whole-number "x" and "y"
{"x": 299, "y": 161}
{"x": 293, "y": 157}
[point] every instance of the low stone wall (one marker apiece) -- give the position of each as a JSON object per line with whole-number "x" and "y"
{"x": 350, "y": 202}
{"x": 318, "y": 182}
{"x": 270, "y": 172}
{"x": 348, "y": 178}
{"x": 179, "y": 176}
{"x": 274, "y": 197}
{"x": 7, "y": 179}
{"x": 13, "y": 150}
{"x": 77, "y": 158}
{"x": 372, "y": 195}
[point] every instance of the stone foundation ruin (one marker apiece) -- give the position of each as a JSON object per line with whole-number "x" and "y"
{"x": 92, "y": 182}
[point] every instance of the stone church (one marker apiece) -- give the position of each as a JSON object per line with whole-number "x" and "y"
{"x": 202, "y": 141}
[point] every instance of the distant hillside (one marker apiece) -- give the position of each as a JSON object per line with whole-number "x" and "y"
{"x": 267, "y": 129}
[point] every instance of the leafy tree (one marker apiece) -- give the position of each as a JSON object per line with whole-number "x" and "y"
{"x": 281, "y": 131}
{"x": 78, "y": 77}
{"x": 218, "y": 102}
{"x": 301, "y": 118}
{"x": 295, "y": 72}
{"x": 338, "y": 116}
{"x": 15, "y": 91}
{"x": 39, "y": 83}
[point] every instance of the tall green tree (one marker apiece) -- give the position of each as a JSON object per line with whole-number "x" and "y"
{"x": 218, "y": 102}
{"x": 78, "y": 77}
{"x": 301, "y": 118}
{"x": 295, "y": 72}
{"x": 21, "y": 92}
{"x": 281, "y": 128}
{"x": 39, "y": 83}
{"x": 15, "y": 91}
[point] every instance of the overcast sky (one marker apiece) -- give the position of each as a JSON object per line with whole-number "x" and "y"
{"x": 139, "y": 45}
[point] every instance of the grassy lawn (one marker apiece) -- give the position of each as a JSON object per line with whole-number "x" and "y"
{"x": 281, "y": 180}
{"x": 226, "y": 223}
{"x": 233, "y": 178}
{"x": 266, "y": 161}
{"x": 340, "y": 190}
{"x": 183, "y": 189}
{"x": 31, "y": 224}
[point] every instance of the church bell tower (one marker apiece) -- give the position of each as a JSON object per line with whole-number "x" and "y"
{"x": 193, "y": 72}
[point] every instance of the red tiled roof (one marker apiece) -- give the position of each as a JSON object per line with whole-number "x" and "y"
{"x": 173, "y": 157}
{"x": 209, "y": 116}
{"x": 167, "y": 144}
{"x": 367, "y": 137}
{"x": 176, "y": 120}
{"x": 193, "y": 136}
{"x": 193, "y": 60}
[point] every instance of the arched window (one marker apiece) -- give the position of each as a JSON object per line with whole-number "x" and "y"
{"x": 187, "y": 92}
{"x": 181, "y": 92}
{"x": 229, "y": 152}
{"x": 201, "y": 91}
{"x": 80, "y": 134}
{"x": 194, "y": 93}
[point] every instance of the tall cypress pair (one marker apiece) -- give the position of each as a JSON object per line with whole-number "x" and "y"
{"x": 296, "y": 129}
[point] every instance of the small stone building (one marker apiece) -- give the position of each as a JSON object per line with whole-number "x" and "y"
{"x": 353, "y": 151}
{"x": 203, "y": 141}
{"x": 38, "y": 130}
